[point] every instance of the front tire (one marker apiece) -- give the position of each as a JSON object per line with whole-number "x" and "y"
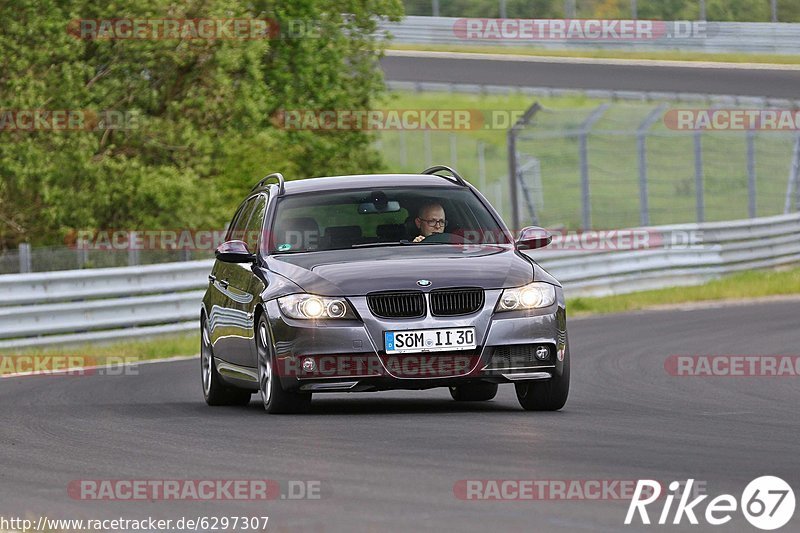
{"x": 474, "y": 392}
{"x": 550, "y": 395}
{"x": 275, "y": 399}
{"x": 214, "y": 391}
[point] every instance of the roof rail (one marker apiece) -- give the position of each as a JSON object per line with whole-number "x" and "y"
{"x": 275, "y": 175}
{"x": 433, "y": 171}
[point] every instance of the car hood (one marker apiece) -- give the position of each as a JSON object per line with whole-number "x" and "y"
{"x": 360, "y": 271}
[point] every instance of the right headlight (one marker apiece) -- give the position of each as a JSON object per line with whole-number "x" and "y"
{"x": 312, "y": 307}
{"x": 535, "y": 295}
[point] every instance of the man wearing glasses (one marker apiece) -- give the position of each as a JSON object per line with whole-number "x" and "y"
{"x": 430, "y": 220}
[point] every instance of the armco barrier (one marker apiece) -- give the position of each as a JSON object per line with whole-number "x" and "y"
{"x": 722, "y": 37}
{"x": 102, "y": 304}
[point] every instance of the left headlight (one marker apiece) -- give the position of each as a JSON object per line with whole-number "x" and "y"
{"x": 311, "y": 307}
{"x": 535, "y": 295}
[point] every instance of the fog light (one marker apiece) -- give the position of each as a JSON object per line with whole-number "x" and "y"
{"x": 309, "y": 365}
{"x": 542, "y": 353}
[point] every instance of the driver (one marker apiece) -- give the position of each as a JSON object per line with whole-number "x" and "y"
{"x": 430, "y": 219}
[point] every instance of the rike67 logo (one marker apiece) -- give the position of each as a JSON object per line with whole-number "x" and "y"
{"x": 767, "y": 502}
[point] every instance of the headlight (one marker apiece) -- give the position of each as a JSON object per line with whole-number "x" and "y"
{"x": 535, "y": 295}
{"x": 310, "y": 307}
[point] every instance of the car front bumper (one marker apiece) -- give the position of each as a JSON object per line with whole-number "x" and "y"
{"x": 348, "y": 355}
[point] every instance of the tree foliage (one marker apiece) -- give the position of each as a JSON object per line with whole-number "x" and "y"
{"x": 202, "y": 130}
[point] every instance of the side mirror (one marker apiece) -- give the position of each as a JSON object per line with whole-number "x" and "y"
{"x": 533, "y": 237}
{"x": 234, "y": 252}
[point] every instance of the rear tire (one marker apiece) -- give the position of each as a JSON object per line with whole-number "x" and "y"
{"x": 275, "y": 399}
{"x": 550, "y": 395}
{"x": 215, "y": 392}
{"x": 474, "y": 392}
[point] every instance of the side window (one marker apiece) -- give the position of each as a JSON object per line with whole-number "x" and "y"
{"x": 252, "y": 230}
{"x": 236, "y": 231}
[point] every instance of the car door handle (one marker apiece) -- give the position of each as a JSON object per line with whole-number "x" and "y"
{"x": 223, "y": 283}
{"x": 212, "y": 278}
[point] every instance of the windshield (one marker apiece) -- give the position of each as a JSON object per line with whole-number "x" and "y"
{"x": 382, "y": 217}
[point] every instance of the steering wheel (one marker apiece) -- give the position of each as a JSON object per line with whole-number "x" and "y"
{"x": 447, "y": 238}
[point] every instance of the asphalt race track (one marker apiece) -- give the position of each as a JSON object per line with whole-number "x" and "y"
{"x": 389, "y": 461}
{"x": 593, "y": 75}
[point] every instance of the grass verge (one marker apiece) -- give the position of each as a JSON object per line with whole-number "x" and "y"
{"x": 668, "y": 55}
{"x": 751, "y": 284}
{"x": 100, "y": 354}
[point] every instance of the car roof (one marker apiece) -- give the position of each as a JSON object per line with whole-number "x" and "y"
{"x": 361, "y": 181}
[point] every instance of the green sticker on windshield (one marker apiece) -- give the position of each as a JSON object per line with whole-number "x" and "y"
{"x": 283, "y": 247}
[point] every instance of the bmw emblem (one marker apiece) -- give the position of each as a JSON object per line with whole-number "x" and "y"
{"x": 423, "y": 282}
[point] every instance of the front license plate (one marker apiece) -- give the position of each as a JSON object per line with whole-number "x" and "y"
{"x": 429, "y": 340}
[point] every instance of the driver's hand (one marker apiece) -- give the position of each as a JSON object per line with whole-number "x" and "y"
{"x": 419, "y": 238}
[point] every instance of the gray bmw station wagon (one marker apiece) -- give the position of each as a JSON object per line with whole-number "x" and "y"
{"x": 378, "y": 282}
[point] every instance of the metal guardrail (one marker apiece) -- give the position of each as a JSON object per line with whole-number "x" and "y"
{"x": 103, "y": 304}
{"x": 722, "y": 37}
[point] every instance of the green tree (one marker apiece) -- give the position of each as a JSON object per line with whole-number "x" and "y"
{"x": 202, "y": 111}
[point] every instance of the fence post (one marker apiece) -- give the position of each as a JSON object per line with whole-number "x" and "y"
{"x": 641, "y": 146}
{"x": 698, "y": 177}
{"x": 133, "y": 251}
{"x": 583, "y": 147}
{"x": 751, "y": 174}
{"x": 435, "y": 8}
{"x": 25, "y": 262}
{"x": 403, "y": 149}
{"x": 791, "y": 183}
{"x": 426, "y": 138}
{"x": 482, "y": 165}
{"x": 82, "y": 252}
{"x": 513, "y": 173}
{"x": 453, "y": 150}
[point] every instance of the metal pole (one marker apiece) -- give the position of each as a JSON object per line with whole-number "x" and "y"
{"x": 453, "y": 150}
{"x": 774, "y": 10}
{"x": 703, "y": 15}
{"x": 25, "y": 263}
{"x": 482, "y": 165}
{"x": 751, "y": 174}
{"x": 698, "y": 177}
{"x": 569, "y": 9}
{"x": 403, "y": 149}
{"x": 435, "y": 8}
{"x": 634, "y": 10}
{"x": 583, "y": 148}
{"x": 512, "y": 159}
{"x": 133, "y": 251}
{"x": 794, "y": 176}
{"x": 426, "y": 138}
{"x": 503, "y": 13}
{"x": 512, "y": 176}
{"x": 641, "y": 145}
